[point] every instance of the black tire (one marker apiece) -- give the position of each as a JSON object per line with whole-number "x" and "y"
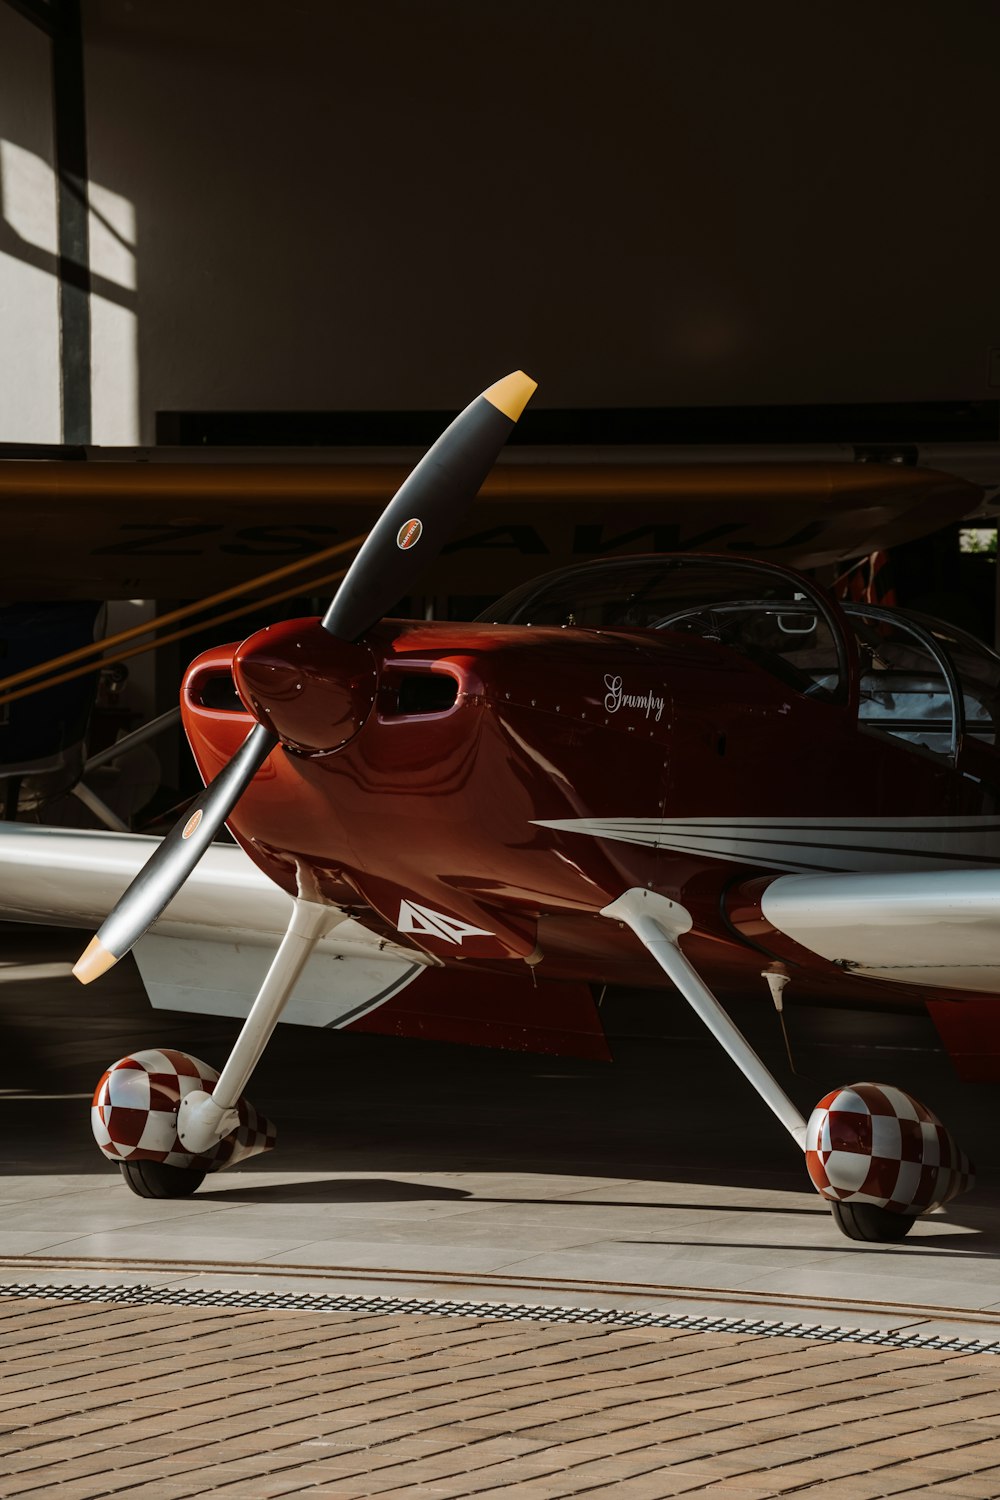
{"x": 864, "y": 1221}
{"x": 154, "y": 1179}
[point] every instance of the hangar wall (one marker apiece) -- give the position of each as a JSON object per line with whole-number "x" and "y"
{"x": 379, "y": 204}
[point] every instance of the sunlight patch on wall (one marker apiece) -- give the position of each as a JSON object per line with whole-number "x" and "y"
{"x": 114, "y": 326}
{"x": 29, "y": 298}
{"x": 28, "y": 186}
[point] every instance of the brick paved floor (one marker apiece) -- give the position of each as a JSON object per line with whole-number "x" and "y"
{"x": 165, "y": 1403}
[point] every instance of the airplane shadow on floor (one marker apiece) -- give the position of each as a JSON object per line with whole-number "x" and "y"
{"x": 984, "y": 1242}
{"x": 335, "y": 1190}
{"x": 391, "y": 1190}
{"x": 985, "y": 1247}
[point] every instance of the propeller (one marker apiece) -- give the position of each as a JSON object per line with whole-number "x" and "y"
{"x": 410, "y": 532}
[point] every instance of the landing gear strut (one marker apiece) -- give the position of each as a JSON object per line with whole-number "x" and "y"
{"x": 167, "y": 1119}
{"x": 861, "y": 1143}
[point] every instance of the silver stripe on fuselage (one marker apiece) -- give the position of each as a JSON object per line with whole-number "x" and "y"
{"x": 875, "y": 844}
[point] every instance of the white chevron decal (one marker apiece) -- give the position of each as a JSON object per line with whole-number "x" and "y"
{"x": 414, "y": 918}
{"x": 877, "y": 844}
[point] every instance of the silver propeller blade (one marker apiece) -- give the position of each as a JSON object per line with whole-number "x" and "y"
{"x": 163, "y": 874}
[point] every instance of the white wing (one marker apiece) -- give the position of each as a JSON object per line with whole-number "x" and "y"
{"x": 939, "y": 929}
{"x": 211, "y": 948}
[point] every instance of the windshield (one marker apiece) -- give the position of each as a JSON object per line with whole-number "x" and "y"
{"x": 908, "y": 685}
{"x": 923, "y": 680}
{"x": 977, "y": 669}
{"x": 777, "y": 619}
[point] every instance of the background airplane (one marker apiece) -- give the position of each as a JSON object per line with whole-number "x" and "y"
{"x": 699, "y": 766}
{"x": 176, "y": 524}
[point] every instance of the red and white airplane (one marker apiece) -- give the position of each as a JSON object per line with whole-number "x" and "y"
{"x": 692, "y": 770}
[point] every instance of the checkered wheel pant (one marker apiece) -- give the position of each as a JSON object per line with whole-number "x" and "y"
{"x": 871, "y": 1143}
{"x": 134, "y": 1113}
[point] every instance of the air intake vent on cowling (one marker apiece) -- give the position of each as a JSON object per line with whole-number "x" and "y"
{"x": 426, "y": 692}
{"x": 218, "y": 692}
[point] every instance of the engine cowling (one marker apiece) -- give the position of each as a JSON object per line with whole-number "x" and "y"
{"x": 311, "y": 689}
{"x": 134, "y": 1113}
{"x": 873, "y": 1143}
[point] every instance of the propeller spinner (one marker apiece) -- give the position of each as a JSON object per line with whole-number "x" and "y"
{"x": 410, "y": 532}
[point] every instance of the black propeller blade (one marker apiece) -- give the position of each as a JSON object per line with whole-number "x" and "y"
{"x": 411, "y": 531}
{"x": 421, "y": 516}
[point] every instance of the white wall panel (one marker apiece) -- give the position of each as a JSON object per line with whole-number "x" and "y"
{"x": 383, "y": 203}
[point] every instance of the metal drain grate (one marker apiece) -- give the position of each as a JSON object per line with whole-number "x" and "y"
{"x": 520, "y": 1312}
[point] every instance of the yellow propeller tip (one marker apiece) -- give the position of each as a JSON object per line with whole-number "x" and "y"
{"x": 94, "y": 961}
{"x": 512, "y": 394}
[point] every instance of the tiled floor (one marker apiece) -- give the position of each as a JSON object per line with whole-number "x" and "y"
{"x": 162, "y": 1403}
{"x": 657, "y": 1183}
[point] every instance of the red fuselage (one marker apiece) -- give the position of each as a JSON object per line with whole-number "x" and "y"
{"x": 419, "y": 769}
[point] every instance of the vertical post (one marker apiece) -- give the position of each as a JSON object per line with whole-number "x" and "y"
{"x": 70, "y": 139}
